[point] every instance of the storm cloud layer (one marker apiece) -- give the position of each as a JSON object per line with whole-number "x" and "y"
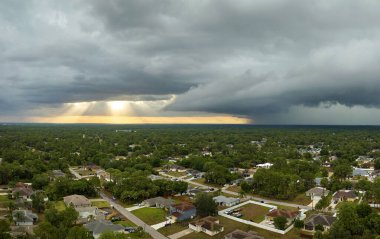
{"x": 273, "y": 61}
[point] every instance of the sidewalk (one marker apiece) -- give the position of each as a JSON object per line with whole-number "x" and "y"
{"x": 181, "y": 234}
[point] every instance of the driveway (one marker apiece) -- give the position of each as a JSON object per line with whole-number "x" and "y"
{"x": 181, "y": 234}
{"x": 148, "y": 229}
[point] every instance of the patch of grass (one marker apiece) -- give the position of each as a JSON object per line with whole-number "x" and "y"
{"x": 100, "y": 204}
{"x": 59, "y": 205}
{"x": 151, "y": 216}
{"x": 126, "y": 223}
{"x": 176, "y": 174}
{"x": 254, "y": 212}
{"x": 173, "y": 228}
{"x": 234, "y": 188}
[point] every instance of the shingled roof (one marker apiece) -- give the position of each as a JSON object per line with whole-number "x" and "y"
{"x": 209, "y": 223}
{"x": 282, "y": 213}
{"x": 100, "y": 226}
{"x": 320, "y": 219}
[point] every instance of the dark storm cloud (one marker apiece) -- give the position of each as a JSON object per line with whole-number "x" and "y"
{"x": 250, "y": 58}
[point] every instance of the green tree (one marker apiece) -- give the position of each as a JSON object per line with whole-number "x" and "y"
{"x": 205, "y": 205}
{"x": 280, "y": 222}
{"x": 45, "y": 230}
{"x": 377, "y": 163}
{"x": 245, "y": 187}
{"x": 342, "y": 170}
{"x": 38, "y": 201}
{"x": 298, "y": 223}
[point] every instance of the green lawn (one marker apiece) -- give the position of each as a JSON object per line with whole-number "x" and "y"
{"x": 100, "y": 204}
{"x": 230, "y": 225}
{"x": 126, "y": 223}
{"x": 301, "y": 199}
{"x": 59, "y": 205}
{"x": 254, "y": 212}
{"x": 173, "y": 228}
{"x": 176, "y": 174}
{"x": 4, "y": 198}
{"x": 151, "y": 216}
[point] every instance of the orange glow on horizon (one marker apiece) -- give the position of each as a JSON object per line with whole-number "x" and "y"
{"x": 143, "y": 120}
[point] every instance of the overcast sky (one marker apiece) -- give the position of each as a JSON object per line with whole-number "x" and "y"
{"x": 267, "y": 61}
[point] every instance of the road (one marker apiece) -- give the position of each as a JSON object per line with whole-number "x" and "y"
{"x": 155, "y": 234}
{"x": 75, "y": 173}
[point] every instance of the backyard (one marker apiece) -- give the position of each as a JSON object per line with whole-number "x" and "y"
{"x": 254, "y": 212}
{"x": 150, "y": 215}
{"x": 173, "y": 228}
{"x": 231, "y": 225}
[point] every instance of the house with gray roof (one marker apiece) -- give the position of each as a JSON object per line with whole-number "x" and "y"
{"x": 344, "y": 195}
{"x": 362, "y": 172}
{"x": 319, "y": 219}
{"x": 226, "y": 201}
{"x": 99, "y": 226}
{"x": 317, "y": 192}
{"x": 158, "y": 202}
{"x": 76, "y": 201}
{"x": 24, "y": 217}
{"x": 57, "y": 174}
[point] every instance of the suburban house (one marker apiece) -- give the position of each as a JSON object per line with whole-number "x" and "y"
{"x": 76, "y": 201}
{"x": 22, "y": 192}
{"x": 226, "y": 201}
{"x": 175, "y": 168}
{"x": 317, "y": 193}
{"x": 289, "y": 215}
{"x": 236, "y": 181}
{"x": 264, "y": 165}
{"x": 362, "y": 172}
{"x": 99, "y": 226}
{"x": 319, "y": 219}
{"x": 195, "y": 173}
{"x": 87, "y": 213}
{"x": 24, "y": 217}
{"x": 158, "y": 202}
{"x": 239, "y": 234}
{"x": 208, "y": 225}
{"x": 182, "y": 211}
{"x": 102, "y": 174}
{"x": 344, "y": 195}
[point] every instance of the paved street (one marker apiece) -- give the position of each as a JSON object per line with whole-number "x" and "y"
{"x": 155, "y": 234}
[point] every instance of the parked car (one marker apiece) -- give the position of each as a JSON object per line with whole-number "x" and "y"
{"x": 130, "y": 229}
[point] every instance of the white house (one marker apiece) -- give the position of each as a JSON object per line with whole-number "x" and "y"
{"x": 264, "y": 165}
{"x": 226, "y": 201}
